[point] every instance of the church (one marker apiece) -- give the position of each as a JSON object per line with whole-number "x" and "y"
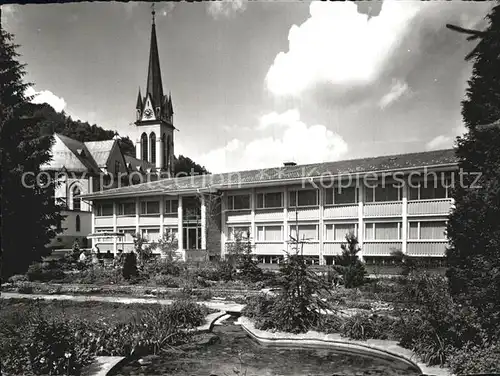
{"x": 392, "y": 203}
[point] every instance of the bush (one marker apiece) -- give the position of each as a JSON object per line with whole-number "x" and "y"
{"x": 364, "y": 326}
{"x": 329, "y": 324}
{"x": 185, "y": 313}
{"x": 165, "y": 280}
{"x": 348, "y": 264}
{"x": 130, "y": 266}
{"x": 44, "y": 273}
{"x": 476, "y": 359}
{"x": 18, "y": 278}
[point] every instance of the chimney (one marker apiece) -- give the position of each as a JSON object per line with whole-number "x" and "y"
{"x": 289, "y": 164}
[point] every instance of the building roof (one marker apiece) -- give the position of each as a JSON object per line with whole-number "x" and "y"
{"x": 288, "y": 174}
{"x": 71, "y": 155}
{"x": 154, "y": 85}
{"x": 100, "y": 150}
{"x": 134, "y": 164}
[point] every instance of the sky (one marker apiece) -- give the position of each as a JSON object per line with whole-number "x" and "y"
{"x": 255, "y": 84}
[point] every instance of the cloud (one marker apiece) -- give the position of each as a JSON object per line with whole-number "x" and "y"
{"x": 8, "y": 14}
{"x": 46, "y": 96}
{"x": 130, "y": 7}
{"x": 398, "y": 89}
{"x": 445, "y": 141}
{"x": 226, "y": 8}
{"x": 292, "y": 139}
{"x": 340, "y": 46}
{"x": 166, "y": 9}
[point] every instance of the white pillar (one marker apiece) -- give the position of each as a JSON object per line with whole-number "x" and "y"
{"x": 138, "y": 151}
{"x": 286, "y": 229}
{"x": 203, "y": 223}
{"x": 361, "y": 230}
{"x": 404, "y": 222}
{"x": 162, "y": 212}
{"x": 321, "y": 229}
{"x": 223, "y": 225}
{"x": 92, "y": 208}
{"x": 180, "y": 235}
{"x": 115, "y": 250}
{"x": 253, "y": 229}
{"x": 137, "y": 211}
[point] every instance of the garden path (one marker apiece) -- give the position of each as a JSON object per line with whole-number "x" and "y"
{"x": 219, "y": 306}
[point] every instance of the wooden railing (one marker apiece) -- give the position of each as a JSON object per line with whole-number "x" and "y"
{"x": 383, "y": 209}
{"x": 340, "y": 211}
{"x": 426, "y": 248}
{"x": 435, "y": 206}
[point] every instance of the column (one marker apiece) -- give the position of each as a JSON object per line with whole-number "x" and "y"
{"x": 253, "y": 229}
{"x": 286, "y": 229}
{"x": 137, "y": 211}
{"x": 162, "y": 212}
{"x": 203, "y": 223}
{"x": 361, "y": 230}
{"x": 115, "y": 250}
{"x": 180, "y": 234}
{"x": 404, "y": 222}
{"x": 92, "y": 209}
{"x": 321, "y": 229}
{"x": 223, "y": 227}
{"x": 159, "y": 152}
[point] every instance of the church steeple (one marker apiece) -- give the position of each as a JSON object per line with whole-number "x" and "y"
{"x": 154, "y": 85}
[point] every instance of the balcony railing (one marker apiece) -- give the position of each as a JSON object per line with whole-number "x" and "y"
{"x": 340, "y": 211}
{"x": 269, "y": 248}
{"x": 380, "y": 248}
{"x": 383, "y": 209}
{"x": 303, "y": 213}
{"x": 238, "y": 216}
{"x": 269, "y": 215}
{"x": 436, "y": 206}
{"x": 426, "y": 248}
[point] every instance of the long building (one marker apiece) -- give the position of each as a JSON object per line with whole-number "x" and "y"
{"x": 377, "y": 198}
{"x": 398, "y": 202}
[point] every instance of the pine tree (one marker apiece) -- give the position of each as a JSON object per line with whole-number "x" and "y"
{"x": 29, "y": 212}
{"x": 474, "y": 225}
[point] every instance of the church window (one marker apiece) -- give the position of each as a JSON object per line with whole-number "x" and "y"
{"x": 144, "y": 146}
{"x": 152, "y": 140}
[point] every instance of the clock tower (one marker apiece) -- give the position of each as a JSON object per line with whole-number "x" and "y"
{"x": 155, "y": 117}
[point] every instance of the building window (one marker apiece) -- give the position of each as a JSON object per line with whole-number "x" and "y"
{"x": 117, "y": 167}
{"x": 270, "y": 259}
{"x": 427, "y": 230}
{"x": 144, "y": 146}
{"x": 165, "y": 150}
{"x": 238, "y": 202}
{"x": 78, "y": 224}
{"x": 126, "y": 208}
{"x": 152, "y": 141}
{"x": 311, "y": 260}
{"x": 306, "y": 232}
{"x": 383, "y": 231}
{"x": 77, "y": 201}
{"x": 150, "y": 207}
{"x": 103, "y": 210}
{"x": 428, "y": 190}
{"x": 338, "y": 231}
{"x": 270, "y": 233}
{"x": 269, "y": 200}
{"x": 129, "y": 235}
{"x": 171, "y": 206}
{"x": 171, "y": 233}
{"x": 301, "y": 198}
{"x": 234, "y": 231}
{"x": 151, "y": 234}
{"x": 341, "y": 196}
{"x": 383, "y": 193}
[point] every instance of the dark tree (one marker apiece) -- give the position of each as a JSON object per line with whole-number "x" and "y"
{"x": 348, "y": 263}
{"x": 474, "y": 226}
{"x": 185, "y": 166}
{"x": 29, "y": 212}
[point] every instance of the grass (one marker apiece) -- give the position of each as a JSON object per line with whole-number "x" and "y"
{"x": 110, "y": 313}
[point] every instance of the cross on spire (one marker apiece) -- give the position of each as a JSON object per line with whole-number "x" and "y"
{"x": 153, "y": 12}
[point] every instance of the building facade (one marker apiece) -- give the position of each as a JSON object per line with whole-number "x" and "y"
{"x": 398, "y": 202}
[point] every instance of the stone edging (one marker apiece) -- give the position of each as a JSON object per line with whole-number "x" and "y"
{"x": 380, "y": 348}
{"x": 106, "y": 364}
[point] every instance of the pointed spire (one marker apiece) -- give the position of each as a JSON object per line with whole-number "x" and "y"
{"x": 154, "y": 86}
{"x": 170, "y": 106}
{"x": 138, "y": 106}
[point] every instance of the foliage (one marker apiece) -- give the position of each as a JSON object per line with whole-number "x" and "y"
{"x": 363, "y": 326}
{"x": 185, "y": 166}
{"x": 130, "y": 266}
{"x": 165, "y": 280}
{"x": 348, "y": 263}
{"x": 476, "y": 359}
{"x": 96, "y": 275}
{"x": 407, "y": 263}
{"x": 329, "y": 324}
{"x": 22, "y": 150}
{"x": 239, "y": 253}
{"x": 37, "y": 272}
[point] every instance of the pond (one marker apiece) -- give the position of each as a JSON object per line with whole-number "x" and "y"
{"x": 228, "y": 351}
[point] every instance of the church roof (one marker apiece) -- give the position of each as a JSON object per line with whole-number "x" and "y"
{"x": 100, "y": 150}
{"x": 134, "y": 164}
{"x": 71, "y": 155}
{"x": 287, "y": 174}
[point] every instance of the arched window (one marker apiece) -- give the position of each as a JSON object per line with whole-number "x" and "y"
{"x": 77, "y": 201}
{"x": 144, "y": 146}
{"x": 77, "y": 225}
{"x": 165, "y": 149}
{"x": 152, "y": 141}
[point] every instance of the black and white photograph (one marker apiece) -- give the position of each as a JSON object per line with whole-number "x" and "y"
{"x": 250, "y": 188}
